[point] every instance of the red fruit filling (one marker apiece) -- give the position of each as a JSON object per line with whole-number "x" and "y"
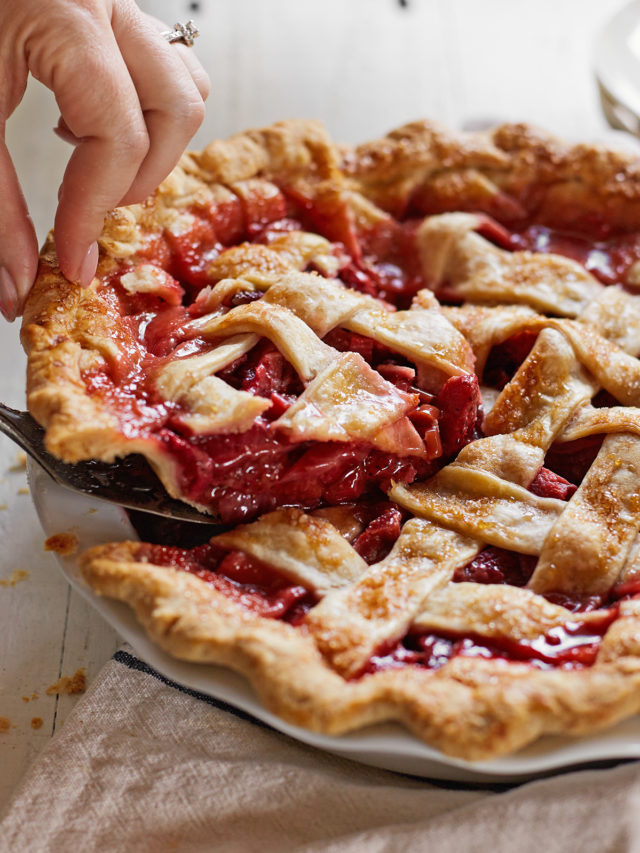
{"x": 506, "y": 358}
{"x": 547, "y": 484}
{"x": 608, "y": 259}
{"x": 496, "y": 565}
{"x": 247, "y": 581}
{"x": 572, "y": 459}
{"x": 607, "y": 254}
{"x": 459, "y": 408}
{"x": 244, "y": 580}
{"x": 571, "y": 646}
{"x": 242, "y": 475}
{"x": 377, "y": 539}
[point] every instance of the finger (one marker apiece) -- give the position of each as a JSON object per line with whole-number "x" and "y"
{"x": 18, "y": 242}
{"x": 195, "y": 69}
{"x": 188, "y": 56}
{"x": 107, "y": 119}
{"x": 171, "y": 101}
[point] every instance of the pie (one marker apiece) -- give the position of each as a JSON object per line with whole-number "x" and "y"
{"x": 403, "y": 378}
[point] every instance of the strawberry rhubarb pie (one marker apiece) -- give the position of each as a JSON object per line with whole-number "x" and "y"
{"x": 402, "y": 380}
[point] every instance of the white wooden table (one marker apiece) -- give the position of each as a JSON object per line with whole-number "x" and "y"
{"x": 363, "y": 66}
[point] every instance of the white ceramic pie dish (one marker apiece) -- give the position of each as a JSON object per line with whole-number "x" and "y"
{"x": 387, "y": 746}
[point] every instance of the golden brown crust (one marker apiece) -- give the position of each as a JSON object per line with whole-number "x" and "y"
{"x": 512, "y": 171}
{"x": 470, "y": 708}
{"x": 312, "y": 675}
{"x": 56, "y": 393}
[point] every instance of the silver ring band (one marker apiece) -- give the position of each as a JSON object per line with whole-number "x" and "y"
{"x": 182, "y": 33}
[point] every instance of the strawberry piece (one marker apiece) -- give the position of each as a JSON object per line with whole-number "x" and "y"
{"x": 193, "y": 251}
{"x": 376, "y": 540}
{"x": 458, "y": 402}
{"x": 495, "y": 565}
{"x": 546, "y": 484}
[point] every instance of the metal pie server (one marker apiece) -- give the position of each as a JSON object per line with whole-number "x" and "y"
{"x": 129, "y": 483}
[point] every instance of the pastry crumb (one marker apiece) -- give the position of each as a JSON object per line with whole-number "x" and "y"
{"x": 23, "y": 491}
{"x": 36, "y": 722}
{"x": 16, "y": 576}
{"x": 31, "y": 698}
{"x": 20, "y": 464}
{"x": 69, "y": 684}
{"x": 5, "y": 724}
{"x": 63, "y": 544}
{"x": 4, "y": 506}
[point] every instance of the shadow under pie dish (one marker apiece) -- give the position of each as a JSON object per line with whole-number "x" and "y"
{"x": 426, "y": 345}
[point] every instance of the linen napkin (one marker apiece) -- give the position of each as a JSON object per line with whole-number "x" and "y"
{"x": 144, "y": 765}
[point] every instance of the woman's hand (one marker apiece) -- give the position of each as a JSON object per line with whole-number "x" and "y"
{"x": 129, "y": 102}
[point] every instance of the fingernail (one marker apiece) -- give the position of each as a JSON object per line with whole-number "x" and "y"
{"x": 88, "y": 266}
{"x": 65, "y": 135}
{"x": 8, "y": 296}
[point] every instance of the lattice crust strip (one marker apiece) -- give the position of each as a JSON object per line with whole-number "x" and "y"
{"x": 423, "y": 334}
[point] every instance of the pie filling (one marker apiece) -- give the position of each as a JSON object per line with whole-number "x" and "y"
{"x": 571, "y": 646}
{"x": 239, "y": 475}
{"x": 608, "y": 257}
{"x": 265, "y": 590}
{"x": 244, "y": 474}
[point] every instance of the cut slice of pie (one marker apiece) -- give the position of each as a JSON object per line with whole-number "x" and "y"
{"x": 410, "y": 370}
{"x": 237, "y": 337}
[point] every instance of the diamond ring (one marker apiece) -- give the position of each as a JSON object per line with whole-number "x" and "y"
{"x": 183, "y": 33}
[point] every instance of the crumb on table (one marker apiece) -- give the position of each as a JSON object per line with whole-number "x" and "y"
{"x": 23, "y": 491}
{"x": 5, "y": 724}
{"x": 36, "y": 722}
{"x": 16, "y": 576}
{"x": 69, "y": 684}
{"x": 63, "y": 544}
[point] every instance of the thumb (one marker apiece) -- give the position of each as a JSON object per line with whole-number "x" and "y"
{"x": 18, "y": 242}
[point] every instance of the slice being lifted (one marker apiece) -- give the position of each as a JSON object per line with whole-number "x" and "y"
{"x": 410, "y": 369}
{"x": 237, "y": 350}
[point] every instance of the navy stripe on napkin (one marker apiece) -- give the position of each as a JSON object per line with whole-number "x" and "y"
{"x": 135, "y": 663}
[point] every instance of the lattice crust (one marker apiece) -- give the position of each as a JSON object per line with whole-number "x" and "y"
{"x": 319, "y": 673}
{"x": 68, "y": 332}
{"x": 471, "y": 707}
